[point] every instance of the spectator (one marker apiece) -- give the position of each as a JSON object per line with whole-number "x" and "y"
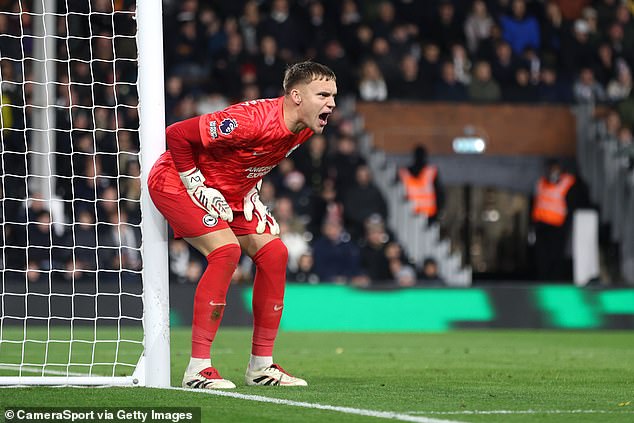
{"x": 579, "y": 52}
{"x": 483, "y": 87}
{"x": 40, "y": 240}
{"x": 461, "y": 63}
{"x": 550, "y": 89}
{"x": 554, "y": 29}
{"x": 503, "y": 65}
{"x": 295, "y": 242}
{"x": 606, "y": 11}
{"x": 325, "y": 206}
{"x": 374, "y": 262}
{"x": 533, "y": 63}
{"x": 249, "y": 23}
{"x": 586, "y": 89}
{"x": 305, "y": 270}
{"x": 402, "y": 271}
{"x": 521, "y": 91}
{"x": 626, "y": 109}
{"x": 336, "y": 256}
{"x": 624, "y": 18}
{"x": 344, "y": 162}
{"x": 310, "y": 159}
{"x": 429, "y": 274}
{"x": 334, "y": 56}
{"x": 320, "y": 29}
{"x": 430, "y": 63}
{"x": 449, "y": 88}
{"x": 294, "y": 187}
{"x": 478, "y": 25}
{"x": 181, "y": 264}
{"x": 404, "y": 275}
{"x": 355, "y": 37}
{"x": 229, "y": 67}
{"x": 286, "y": 29}
{"x": 293, "y": 230}
{"x": 401, "y": 42}
{"x": 269, "y": 67}
{"x": 362, "y": 200}
{"x": 372, "y": 85}
{"x": 447, "y": 29}
{"x": 409, "y": 85}
{"x": 384, "y": 24}
{"x": 605, "y": 64}
{"x": 215, "y": 37}
{"x": 520, "y": 30}
{"x": 85, "y": 242}
{"x": 173, "y": 94}
{"x": 620, "y": 87}
{"x": 385, "y": 58}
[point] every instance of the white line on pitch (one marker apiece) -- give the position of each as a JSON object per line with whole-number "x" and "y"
{"x": 28, "y": 369}
{"x": 472, "y": 412}
{"x": 347, "y": 410}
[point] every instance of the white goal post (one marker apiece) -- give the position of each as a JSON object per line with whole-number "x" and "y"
{"x": 84, "y": 294}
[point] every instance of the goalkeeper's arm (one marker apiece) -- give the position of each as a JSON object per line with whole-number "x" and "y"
{"x": 182, "y": 138}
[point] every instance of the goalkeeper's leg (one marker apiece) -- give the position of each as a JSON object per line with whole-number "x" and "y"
{"x": 209, "y": 306}
{"x": 270, "y": 256}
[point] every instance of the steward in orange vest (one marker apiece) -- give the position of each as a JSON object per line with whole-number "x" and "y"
{"x": 550, "y": 200}
{"x": 556, "y": 196}
{"x": 422, "y": 185}
{"x": 420, "y": 189}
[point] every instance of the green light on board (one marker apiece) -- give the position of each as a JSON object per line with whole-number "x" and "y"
{"x": 568, "y": 307}
{"x": 342, "y": 308}
{"x": 619, "y": 301}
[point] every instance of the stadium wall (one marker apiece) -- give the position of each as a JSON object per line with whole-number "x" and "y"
{"x": 507, "y": 129}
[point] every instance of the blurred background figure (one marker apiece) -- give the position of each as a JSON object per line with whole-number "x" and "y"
{"x": 555, "y": 199}
{"x": 422, "y": 185}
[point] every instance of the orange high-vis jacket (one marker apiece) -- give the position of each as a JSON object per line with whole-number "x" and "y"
{"x": 420, "y": 189}
{"x": 550, "y": 200}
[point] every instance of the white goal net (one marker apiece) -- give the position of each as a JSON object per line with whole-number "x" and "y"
{"x": 73, "y": 302}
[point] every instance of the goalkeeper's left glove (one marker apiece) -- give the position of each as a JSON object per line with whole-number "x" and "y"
{"x": 253, "y": 206}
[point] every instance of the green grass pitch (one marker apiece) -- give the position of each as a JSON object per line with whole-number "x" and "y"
{"x": 461, "y": 376}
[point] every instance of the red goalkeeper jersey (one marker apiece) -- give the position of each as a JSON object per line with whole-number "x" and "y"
{"x": 239, "y": 145}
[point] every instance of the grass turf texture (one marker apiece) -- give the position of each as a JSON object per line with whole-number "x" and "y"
{"x": 406, "y": 373}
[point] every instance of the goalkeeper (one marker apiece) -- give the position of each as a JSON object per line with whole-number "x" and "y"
{"x": 206, "y": 186}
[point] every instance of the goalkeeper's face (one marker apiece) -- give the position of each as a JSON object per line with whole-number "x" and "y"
{"x": 317, "y": 103}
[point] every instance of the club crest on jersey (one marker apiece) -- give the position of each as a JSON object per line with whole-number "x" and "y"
{"x": 209, "y": 221}
{"x": 227, "y": 126}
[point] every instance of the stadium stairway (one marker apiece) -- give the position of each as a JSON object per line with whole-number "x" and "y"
{"x": 419, "y": 238}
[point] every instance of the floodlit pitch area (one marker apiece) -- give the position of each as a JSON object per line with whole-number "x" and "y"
{"x": 465, "y": 376}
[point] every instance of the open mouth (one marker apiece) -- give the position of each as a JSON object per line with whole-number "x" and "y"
{"x": 323, "y": 118}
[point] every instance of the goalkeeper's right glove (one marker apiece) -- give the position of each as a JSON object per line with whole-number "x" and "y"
{"x": 208, "y": 199}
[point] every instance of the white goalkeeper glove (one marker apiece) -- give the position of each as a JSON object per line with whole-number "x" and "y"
{"x": 208, "y": 199}
{"x": 253, "y": 205}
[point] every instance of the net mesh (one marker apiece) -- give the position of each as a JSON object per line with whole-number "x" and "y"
{"x": 70, "y": 288}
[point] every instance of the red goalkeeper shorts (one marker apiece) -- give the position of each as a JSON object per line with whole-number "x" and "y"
{"x": 186, "y": 218}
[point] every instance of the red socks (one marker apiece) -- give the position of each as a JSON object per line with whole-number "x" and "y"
{"x": 268, "y": 295}
{"x": 210, "y": 297}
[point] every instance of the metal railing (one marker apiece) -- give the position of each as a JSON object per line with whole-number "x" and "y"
{"x": 419, "y": 238}
{"x": 610, "y": 181}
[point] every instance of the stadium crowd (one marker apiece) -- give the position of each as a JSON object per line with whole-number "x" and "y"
{"x": 331, "y": 214}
